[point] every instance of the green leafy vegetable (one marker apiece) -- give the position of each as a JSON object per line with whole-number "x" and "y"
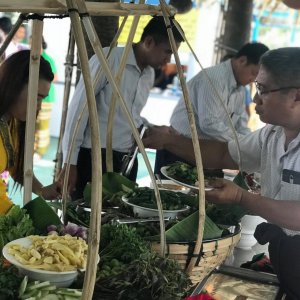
{"x": 15, "y": 224}
{"x": 147, "y": 277}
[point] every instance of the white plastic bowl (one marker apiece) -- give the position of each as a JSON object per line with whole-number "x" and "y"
{"x": 60, "y": 279}
{"x": 145, "y": 212}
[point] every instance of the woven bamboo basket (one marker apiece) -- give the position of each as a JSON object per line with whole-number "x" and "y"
{"x": 213, "y": 253}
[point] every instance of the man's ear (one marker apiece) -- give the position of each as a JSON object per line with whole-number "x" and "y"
{"x": 243, "y": 60}
{"x": 149, "y": 41}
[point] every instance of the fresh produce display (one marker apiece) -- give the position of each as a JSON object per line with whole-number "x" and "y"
{"x": 170, "y": 200}
{"x": 128, "y": 267}
{"x": 16, "y": 223}
{"x": 38, "y": 290}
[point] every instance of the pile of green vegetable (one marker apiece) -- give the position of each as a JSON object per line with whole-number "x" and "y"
{"x": 129, "y": 270}
{"x": 183, "y": 172}
{"x": 14, "y": 225}
{"x": 145, "y": 197}
{"x": 9, "y": 281}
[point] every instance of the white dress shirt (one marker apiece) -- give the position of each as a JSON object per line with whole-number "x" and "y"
{"x": 135, "y": 88}
{"x": 263, "y": 151}
{"x": 211, "y": 119}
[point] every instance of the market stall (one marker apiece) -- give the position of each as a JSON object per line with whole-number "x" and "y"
{"x": 121, "y": 241}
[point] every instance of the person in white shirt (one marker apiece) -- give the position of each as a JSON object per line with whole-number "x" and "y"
{"x": 273, "y": 151}
{"x": 228, "y": 79}
{"x": 153, "y": 51}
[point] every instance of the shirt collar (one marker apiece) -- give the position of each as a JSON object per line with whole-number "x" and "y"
{"x": 132, "y": 61}
{"x": 230, "y": 75}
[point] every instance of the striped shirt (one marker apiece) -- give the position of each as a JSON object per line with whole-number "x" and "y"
{"x": 135, "y": 87}
{"x": 211, "y": 119}
{"x": 263, "y": 151}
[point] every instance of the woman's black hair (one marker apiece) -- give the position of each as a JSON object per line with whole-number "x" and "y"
{"x": 14, "y": 75}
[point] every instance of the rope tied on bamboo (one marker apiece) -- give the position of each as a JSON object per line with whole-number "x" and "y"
{"x": 41, "y": 18}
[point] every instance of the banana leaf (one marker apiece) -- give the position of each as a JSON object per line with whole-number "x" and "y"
{"x": 41, "y": 214}
{"x": 187, "y": 230}
{"x": 112, "y": 183}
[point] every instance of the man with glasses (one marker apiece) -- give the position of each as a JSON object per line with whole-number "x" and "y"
{"x": 226, "y": 80}
{"x": 274, "y": 151}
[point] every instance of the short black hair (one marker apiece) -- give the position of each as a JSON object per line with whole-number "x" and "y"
{"x": 5, "y": 24}
{"x": 253, "y": 52}
{"x": 156, "y": 28}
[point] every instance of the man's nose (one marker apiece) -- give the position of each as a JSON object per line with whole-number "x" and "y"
{"x": 256, "y": 98}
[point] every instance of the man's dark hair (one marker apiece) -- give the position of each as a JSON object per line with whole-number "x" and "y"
{"x": 283, "y": 65}
{"x": 253, "y": 52}
{"x": 5, "y": 24}
{"x": 156, "y": 28}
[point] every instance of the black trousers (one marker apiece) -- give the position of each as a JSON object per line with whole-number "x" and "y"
{"x": 284, "y": 254}
{"x": 84, "y": 168}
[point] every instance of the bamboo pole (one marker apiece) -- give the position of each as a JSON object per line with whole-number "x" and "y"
{"x": 100, "y": 54}
{"x": 112, "y": 107}
{"x": 94, "y": 8}
{"x": 12, "y": 33}
{"x": 67, "y": 88}
{"x": 96, "y": 197}
{"x": 35, "y": 54}
{"x": 71, "y": 144}
{"x": 195, "y": 139}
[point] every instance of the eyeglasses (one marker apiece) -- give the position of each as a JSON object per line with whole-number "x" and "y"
{"x": 261, "y": 92}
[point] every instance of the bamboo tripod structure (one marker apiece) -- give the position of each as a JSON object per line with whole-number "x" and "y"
{"x": 77, "y": 9}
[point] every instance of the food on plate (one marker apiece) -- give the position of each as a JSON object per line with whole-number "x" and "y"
{"x": 52, "y": 253}
{"x": 145, "y": 197}
{"x": 183, "y": 172}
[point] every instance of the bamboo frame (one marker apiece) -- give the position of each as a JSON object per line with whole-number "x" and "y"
{"x": 67, "y": 88}
{"x": 94, "y": 8}
{"x": 96, "y": 196}
{"x": 106, "y": 9}
{"x": 37, "y": 31}
{"x": 111, "y": 113}
{"x": 99, "y": 52}
{"x": 195, "y": 139}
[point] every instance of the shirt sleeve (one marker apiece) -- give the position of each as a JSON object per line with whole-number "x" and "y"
{"x": 210, "y": 113}
{"x": 77, "y": 105}
{"x": 250, "y": 149}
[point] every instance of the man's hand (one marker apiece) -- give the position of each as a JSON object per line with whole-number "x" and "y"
{"x": 157, "y": 136}
{"x": 71, "y": 180}
{"x": 224, "y": 192}
{"x": 51, "y": 192}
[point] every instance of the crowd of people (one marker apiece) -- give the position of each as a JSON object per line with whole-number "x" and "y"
{"x": 273, "y": 150}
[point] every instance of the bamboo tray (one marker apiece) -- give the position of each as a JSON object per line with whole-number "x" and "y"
{"x": 213, "y": 253}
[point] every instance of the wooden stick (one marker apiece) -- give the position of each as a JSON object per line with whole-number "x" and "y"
{"x": 99, "y": 52}
{"x": 94, "y": 8}
{"x": 195, "y": 139}
{"x": 35, "y": 54}
{"x": 96, "y": 197}
{"x": 67, "y": 87}
{"x": 112, "y": 107}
